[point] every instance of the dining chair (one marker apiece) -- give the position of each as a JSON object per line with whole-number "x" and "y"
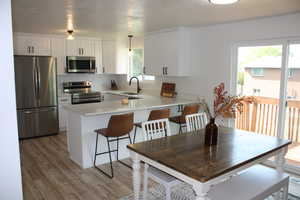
{"x": 196, "y": 121}
{"x": 154, "y": 115}
{"x": 119, "y": 128}
{"x": 153, "y": 130}
{"x": 187, "y": 110}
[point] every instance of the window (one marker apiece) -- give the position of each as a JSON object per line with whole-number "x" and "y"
{"x": 256, "y": 92}
{"x": 257, "y": 72}
{"x": 290, "y": 72}
{"x": 137, "y": 65}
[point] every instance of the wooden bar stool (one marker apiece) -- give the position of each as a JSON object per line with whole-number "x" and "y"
{"x": 190, "y": 109}
{"x": 118, "y": 126}
{"x": 154, "y": 115}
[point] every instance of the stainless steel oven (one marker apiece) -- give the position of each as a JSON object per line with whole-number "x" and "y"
{"x": 81, "y": 92}
{"x": 81, "y": 64}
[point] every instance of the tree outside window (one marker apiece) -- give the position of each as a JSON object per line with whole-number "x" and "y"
{"x": 137, "y": 65}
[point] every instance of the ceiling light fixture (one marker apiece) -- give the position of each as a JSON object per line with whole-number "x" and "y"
{"x": 70, "y": 35}
{"x": 223, "y": 2}
{"x": 130, "y": 44}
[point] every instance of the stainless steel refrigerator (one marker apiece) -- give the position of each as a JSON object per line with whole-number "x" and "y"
{"x": 36, "y": 96}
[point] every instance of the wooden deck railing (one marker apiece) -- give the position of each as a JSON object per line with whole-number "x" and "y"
{"x": 262, "y": 117}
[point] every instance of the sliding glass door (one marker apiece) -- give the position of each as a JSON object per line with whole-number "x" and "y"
{"x": 292, "y": 110}
{"x": 270, "y": 71}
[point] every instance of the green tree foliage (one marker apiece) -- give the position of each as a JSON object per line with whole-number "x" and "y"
{"x": 137, "y": 62}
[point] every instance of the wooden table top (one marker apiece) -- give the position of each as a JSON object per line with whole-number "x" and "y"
{"x": 186, "y": 153}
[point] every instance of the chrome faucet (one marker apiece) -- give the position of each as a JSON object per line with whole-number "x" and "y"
{"x": 138, "y": 89}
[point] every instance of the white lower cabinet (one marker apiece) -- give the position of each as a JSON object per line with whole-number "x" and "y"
{"x": 62, "y": 113}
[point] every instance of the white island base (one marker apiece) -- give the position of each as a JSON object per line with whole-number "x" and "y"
{"x": 84, "y": 119}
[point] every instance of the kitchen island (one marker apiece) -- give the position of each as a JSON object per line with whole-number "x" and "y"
{"x": 83, "y": 119}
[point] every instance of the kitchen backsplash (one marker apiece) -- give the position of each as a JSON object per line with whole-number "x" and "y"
{"x": 102, "y": 83}
{"x": 99, "y": 82}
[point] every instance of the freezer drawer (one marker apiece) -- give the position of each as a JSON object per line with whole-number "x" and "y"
{"x": 37, "y": 122}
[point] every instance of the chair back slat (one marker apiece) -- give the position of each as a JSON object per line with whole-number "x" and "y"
{"x": 156, "y": 129}
{"x": 196, "y": 121}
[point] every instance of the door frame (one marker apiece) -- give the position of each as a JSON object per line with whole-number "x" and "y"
{"x": 285, "y": 43}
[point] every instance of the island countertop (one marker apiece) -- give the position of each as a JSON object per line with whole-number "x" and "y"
{"x": 115, "y": 106}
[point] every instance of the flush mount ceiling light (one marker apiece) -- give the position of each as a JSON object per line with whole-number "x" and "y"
{"x": 223, "y": 2}
{"x": 130, "y": 44}
{"x": 70, "y": 35}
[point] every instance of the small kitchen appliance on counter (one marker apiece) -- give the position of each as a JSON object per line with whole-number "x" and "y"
{"x": 81, "y": 92}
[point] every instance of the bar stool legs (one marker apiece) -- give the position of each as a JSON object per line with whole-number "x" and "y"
{"x": 134, "y": 134}
{"x": 111, "y": 175}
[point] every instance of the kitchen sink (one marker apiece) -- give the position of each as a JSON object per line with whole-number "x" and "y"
{"x": 131, "y": 98}
{"x": 130, "y": 93}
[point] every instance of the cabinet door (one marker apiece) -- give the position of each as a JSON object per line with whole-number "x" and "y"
{"x": 87, "y": 47}
{"x": 109, "y": 57}
{"x": 41, "y": 46}
{"x": 22, "y": 45}
{"x": 153, "y": 55}
{"x": 58, "y": 51}
{"x": 98, "y": 55}
{"x": 72, "y": 49}
{"x": 169, "y": 51}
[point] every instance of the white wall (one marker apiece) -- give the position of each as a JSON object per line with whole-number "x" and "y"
{"x": 10, "y": 172}
{"x": 211, "y": 51}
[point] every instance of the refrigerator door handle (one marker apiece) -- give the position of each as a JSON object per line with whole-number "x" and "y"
{"x": 35, "y": 78}
{"x": 38, "y": 78}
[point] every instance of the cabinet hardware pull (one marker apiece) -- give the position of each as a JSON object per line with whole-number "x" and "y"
{"x": 103, "y": 69}
{"x": 144, "y": 70}
{"x": 166, "y": 70}
{"x": 163, "y": 70}
{"x": 32, "y": 49}
{"x": 28, "y": 49}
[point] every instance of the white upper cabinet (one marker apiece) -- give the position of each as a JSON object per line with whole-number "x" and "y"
{"x": 58, "y": 51}
{"x": 32, "y": 45}
{"x": 80, "y": 47}
{"x": 167, "y": 53}
{"x": 98, "y": 55}
{"x": 109, "y": 57}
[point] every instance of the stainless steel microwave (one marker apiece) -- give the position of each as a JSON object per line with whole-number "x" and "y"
{"x": 80, "y": 64}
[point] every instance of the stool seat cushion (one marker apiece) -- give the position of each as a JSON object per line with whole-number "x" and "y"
{"x": 177, "y": 120}
{"x": 102, "y": 131}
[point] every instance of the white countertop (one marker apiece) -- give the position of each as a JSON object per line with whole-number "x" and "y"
{"x": 108, "y": 107}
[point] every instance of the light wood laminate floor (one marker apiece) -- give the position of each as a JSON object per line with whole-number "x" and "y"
{"x": 48, "y": 173}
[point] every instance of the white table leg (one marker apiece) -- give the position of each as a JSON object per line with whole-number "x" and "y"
{"x": 145, "y": 181}
{"x": 201, "y": 191}
{"x": 136, "y": 175}
{"x": 279, "y": 162}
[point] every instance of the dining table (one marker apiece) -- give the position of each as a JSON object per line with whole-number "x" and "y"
{"x": 187, "y": 157}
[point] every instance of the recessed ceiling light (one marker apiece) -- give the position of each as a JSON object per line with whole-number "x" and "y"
{"x": 223, "y": 2}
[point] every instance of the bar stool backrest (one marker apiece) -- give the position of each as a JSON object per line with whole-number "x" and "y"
{"x": 156, "y": 129}
{"x": 159, "y": 114}
{"x": 120, "y": 125}
{"x": 188, "y": 110}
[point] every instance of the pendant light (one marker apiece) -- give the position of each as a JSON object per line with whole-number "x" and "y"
{"x": 223, "y": 2}
{"x": 130, "y": 45}
{"x": 70, "y": 35}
